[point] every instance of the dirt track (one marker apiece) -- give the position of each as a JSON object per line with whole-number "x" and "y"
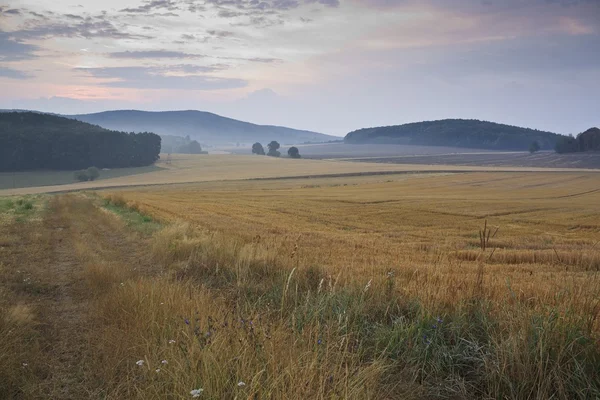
{"x": 75, "y": 240}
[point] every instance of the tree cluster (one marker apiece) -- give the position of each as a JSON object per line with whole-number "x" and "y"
{"x": 274, "y": 147}
{"x": 90, "y": 174}
{"x": 30, "y": 141}
{"x": 585, "y": 141}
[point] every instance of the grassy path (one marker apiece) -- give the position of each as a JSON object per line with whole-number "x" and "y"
{"x": 77, "y": 245}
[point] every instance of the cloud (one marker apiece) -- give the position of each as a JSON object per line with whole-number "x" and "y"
{"x": 14, "y": 50}
{"x": 11, "y": 11}
{"x": 10, "y": 73}
{"x": 153, "y": 5}
{"x": 264, "y": 60}
{"x": 153, "y": 54}
{"x": 90, "y": 27}
{"x": 158, "y": 78}
{"x": 220, "y": 34}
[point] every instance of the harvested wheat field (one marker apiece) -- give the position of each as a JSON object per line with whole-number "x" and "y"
{"x": 451, "y": 286}
{"x": 190, "y": 168}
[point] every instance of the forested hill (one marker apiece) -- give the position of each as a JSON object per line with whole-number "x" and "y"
{"x": 205, "y": 127}
{"x": 30, "y": 141}
{"x": 456, "y": 133}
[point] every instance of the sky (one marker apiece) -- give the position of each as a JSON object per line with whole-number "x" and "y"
{"x": 330, "y": 66}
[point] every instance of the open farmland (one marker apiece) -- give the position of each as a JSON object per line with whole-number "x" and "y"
{"x": 218, "y": 168}
{"x": 336, "y": 287}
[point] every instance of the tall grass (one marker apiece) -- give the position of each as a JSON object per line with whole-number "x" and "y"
{"x": 227, "y": 311}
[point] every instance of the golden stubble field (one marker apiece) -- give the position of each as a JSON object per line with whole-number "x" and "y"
{"x": 218, "y": 168}
{"x": 422, "y": 228}
{"x": 341, "y": 287}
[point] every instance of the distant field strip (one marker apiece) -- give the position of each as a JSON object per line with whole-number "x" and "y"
{"x": 207, "y": 168}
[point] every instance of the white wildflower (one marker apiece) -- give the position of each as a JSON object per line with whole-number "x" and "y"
{"x": 240, "y": 384}
{"x": 140, "y": 362}
{"x": 171, "y": 341}
{"x": 157, "y": 370}
{"x": 197, "y": 392}
{"x": 25, "y": 364}
{"x": 164, "y": 362}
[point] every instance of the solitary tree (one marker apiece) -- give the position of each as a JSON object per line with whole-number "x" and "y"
{"x": 93, "y": 173}
{"x": 257, "y": 148}
{"x": 273, "y": 147}
{"x": 194, "y": 147}
{"x": 534, "y": 147}
{"x": 293, "y": 152}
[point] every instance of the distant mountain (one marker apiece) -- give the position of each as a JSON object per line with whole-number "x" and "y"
{"x": 205, "y": 127}
{"x": 469, "y": 133}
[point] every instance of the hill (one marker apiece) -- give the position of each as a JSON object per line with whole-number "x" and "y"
{"x": 456, "y": 133}
{"x": 205, "y": 127}
{"x": 32, "y": 141}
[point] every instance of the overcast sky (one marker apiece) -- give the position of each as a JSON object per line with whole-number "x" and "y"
{"x": 326, "y": 65}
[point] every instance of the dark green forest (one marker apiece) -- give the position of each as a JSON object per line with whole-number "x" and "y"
{"x": 32, "y": 141}
{"x": 456, "y": 133}
{"x": 585, "y": 141}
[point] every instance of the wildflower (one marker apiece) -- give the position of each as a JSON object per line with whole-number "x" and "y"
{"x": 241, "y": 384}
{"x": 197, "y": 392}
{"x": 164, "y": 362}
{"x": 140, "y": 362}
{"x": 122, "y": 284}
{"x": 171, "y": 341}
{"x": 25, "y": 364}
{"x": 187, "y": 321}
{"x": 319, "y": 341}
{"x": 157, "y": 370}
{"x": 439, "y": 320}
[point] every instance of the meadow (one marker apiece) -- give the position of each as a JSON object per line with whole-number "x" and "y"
{"x": 439, "y": 285}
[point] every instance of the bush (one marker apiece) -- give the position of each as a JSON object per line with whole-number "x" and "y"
{"x": 534, "y": 147}
{"x": 81, "y": 175}
{"x": 93, "y": 173}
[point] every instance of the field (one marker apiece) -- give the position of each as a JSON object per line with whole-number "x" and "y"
{"x": 14, "y": 180}
{"x": 217, "y": 168}
{"x": 439, "y": 155}
{"x": 445, "y": 285}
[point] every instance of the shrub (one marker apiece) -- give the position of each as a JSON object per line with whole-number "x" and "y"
{"x": 93, "y": 173}
{"x": 81, "y": 175}
{"x": 534, "y": 147}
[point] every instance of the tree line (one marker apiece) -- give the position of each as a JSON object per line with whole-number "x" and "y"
{"x": 30, "y": 141}
{"x": 585, "y": 141}
{"x": 273, "y": 147}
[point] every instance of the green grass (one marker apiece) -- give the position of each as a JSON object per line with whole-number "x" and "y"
{"x": 10, "y": 180}
{"x": 132, "y": 217}
{"x": 22, "y": 208}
